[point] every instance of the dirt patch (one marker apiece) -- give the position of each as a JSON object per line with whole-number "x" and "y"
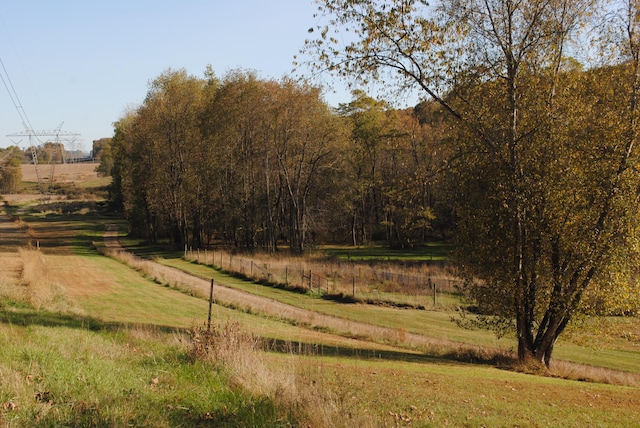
{"x": 111, "y": 236}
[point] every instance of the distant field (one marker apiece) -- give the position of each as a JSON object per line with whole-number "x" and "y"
{"x": 69, "y": 172}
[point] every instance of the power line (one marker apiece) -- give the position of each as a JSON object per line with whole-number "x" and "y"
{"x": 29, "y": 131}
{"x": 13, "y": 95}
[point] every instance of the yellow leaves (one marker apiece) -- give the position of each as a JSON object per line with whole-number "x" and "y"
{"x": 324, "y": 32}
{"x": 9, "y": 406}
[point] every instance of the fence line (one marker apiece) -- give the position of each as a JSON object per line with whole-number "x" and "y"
{"x": 345, "y": 278}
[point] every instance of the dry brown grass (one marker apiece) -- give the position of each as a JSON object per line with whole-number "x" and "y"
{"x": 403, "y": 284}
{"x": 31, "y": 280}
{"x": 229, "y": 346}
{"x": 288, "y": 383}
{"x": 11, "y": 272}
{"x": 62, "y": 173}
{"x": 48, "y": 281}
{"x": 582, "y": 372}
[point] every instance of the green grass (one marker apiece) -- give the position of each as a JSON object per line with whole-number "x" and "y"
{"x": 121, "y": 357}
{"x": 436, "y": 251}
{"x": 446, "y": 394}
{"x": 437, "y": 324}
{"x": 61, "y": 376}
{"x": 133, "y": 299}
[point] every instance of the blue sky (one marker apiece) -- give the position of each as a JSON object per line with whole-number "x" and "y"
{"x": 84, "y": 63}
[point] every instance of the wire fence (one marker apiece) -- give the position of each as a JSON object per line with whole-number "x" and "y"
{"x": 411, "y": 285}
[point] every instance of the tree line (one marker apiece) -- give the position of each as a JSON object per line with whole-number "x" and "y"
{"x": 544, "y": 147}
{"x": 525, "y": 155}
{"x": 10, "y": 169}
{"x": 257, "y": 163}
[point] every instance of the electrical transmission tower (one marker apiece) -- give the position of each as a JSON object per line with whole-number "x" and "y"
{"x": 59, "y": 136}
{"x": 34, "y": 135}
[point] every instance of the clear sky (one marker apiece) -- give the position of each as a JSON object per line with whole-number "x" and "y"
{"x": 85, "y": 62}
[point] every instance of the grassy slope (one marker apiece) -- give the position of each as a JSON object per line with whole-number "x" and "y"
{"x": 619, "y": 355}
{"x": 88, "y": 366}
{"x": 59, "y": 373}
{"x": 113, "y": 375}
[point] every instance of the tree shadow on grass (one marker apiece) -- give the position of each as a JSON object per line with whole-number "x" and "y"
{"x": 462, "y": 355}
{"x": 25, "y": 317}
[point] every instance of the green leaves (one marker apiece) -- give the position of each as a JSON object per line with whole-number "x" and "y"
{"x": 542, "y": 149}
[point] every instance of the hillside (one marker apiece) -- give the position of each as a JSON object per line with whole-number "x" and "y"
{"x": 111, "y": 341}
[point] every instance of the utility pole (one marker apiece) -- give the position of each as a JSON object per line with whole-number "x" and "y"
{"x": 33, "y": 140}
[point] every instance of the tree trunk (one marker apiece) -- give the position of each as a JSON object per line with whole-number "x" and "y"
{"x": 540, "y": 350}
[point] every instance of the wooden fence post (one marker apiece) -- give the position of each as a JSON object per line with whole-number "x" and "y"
{"x": 435, "y": 300}
{"x": 210, "y": 305}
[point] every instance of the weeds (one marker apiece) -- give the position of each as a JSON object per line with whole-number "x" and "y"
{"x": 27, "y": 278}
{"x": 308, "y": 398}
{"x": 392, "y": 283}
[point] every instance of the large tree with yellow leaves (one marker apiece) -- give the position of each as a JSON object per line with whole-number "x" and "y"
{"x": 546, "y": 151}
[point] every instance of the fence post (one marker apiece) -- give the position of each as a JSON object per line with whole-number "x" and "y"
{"x": 310, "y": 280}
{"x": 354, "y": 285}
{"x": 435, "y": 287}
{"x": 210, "y": 305}
{"x": 286, "y": 275}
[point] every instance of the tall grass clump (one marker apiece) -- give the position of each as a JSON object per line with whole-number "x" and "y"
{"x": 227, "y": 345}
{"x": 282, "y": 378}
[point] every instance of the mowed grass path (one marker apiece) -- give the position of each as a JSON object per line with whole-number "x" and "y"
{"x": 393, "y": 386}
{"x": 622, "y": 354}
{"x": 371, "y": 382}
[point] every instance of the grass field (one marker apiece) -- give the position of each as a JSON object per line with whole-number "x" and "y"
{"x": 432, "y": 252}
{"x": 90, "y": 341}
{"x": 69, "y": 172}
